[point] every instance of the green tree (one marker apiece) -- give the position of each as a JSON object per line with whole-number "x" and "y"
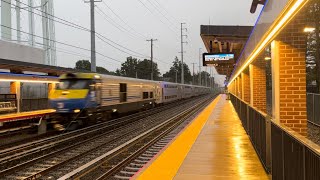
{"x": 83, "y": 65}
{"x": 175, "y": 69}
{"x": 144, "y": 70}
{"x": 137, "y": 68}
{"x": 102, "y": 70}
{"x": 129, "y": 68}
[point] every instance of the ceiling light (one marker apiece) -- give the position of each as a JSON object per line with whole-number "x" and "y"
{"x": 309, "y": 29}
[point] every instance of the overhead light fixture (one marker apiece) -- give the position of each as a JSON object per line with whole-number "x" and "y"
{"x": 276, "y": 28}
{"x": 309, "y": 29}
{"x": 267, "y": 58}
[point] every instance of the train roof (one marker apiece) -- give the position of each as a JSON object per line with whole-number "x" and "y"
{"x": 98, "y": 76}
{"x": 6, "y": 76}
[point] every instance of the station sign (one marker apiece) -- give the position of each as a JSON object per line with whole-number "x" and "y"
{"x": 212, "y": 59}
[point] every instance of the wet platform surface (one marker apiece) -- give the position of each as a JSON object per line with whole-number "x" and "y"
{"x": 214, "y": 146}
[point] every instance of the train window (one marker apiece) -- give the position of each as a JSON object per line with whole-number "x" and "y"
{"x": 73, "y": 84}
{"x": 123, "y": 92}
{"x": 145, "y": 95}
{"x": 151, "y": 94}
{"x": 123, "y": 87}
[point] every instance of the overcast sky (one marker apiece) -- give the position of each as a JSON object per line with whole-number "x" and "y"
{"x": 160, "y": 20}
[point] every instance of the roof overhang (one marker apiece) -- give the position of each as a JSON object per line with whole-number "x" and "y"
{"x": 17, "y": 66}
{"x": 223, "y": 39}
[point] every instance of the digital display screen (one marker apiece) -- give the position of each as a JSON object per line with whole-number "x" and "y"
{"x": 213, "y": 58}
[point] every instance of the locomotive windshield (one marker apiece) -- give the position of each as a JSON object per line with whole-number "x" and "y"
{"x": 65, "y": 84}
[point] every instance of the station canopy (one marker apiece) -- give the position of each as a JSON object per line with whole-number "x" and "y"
{"x": 225, "y": 40}
{"x": 18, "y": 66}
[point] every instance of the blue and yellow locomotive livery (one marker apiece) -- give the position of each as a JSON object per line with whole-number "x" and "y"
{"x": 83, "y": 98}
{"x": 76, "y": 96}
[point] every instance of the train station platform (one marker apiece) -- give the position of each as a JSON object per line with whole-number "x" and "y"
{"x": 213, "y": 146}
{"x": 25, "y": 115}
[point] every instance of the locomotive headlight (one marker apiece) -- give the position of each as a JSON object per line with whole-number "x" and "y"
{"x": 76, "y": 110}
{"x": 150, "y": 103}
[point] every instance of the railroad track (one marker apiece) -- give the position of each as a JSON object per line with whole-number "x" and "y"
{"x": 38, "y": 140}
{"x": 127, "y": 159}
{"x": 36, "y": 159}
{"x": 15, "y": 151}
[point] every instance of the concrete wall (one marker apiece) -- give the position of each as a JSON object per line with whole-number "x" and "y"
{"x": 18, "y": 52}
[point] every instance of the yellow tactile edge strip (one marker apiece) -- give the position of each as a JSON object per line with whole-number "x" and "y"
{"x": 23, "y": 114}
{"x": 169, "y": 161}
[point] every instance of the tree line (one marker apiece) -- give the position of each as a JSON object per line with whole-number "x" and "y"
{"x": 141, "y": 69}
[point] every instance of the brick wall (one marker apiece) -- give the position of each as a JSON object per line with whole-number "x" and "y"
{"x": 293, "y": 111}
{"x": 246, "y": 85}
{"x": 239, "y": 93}
{"x": 259, "y": 84}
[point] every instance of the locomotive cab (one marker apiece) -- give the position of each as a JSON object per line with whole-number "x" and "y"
{"x": 76, "y": 96}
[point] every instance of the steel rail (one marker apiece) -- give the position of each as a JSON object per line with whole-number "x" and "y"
{"x": 114, "y": 152}
{"x": 15, "y": 168}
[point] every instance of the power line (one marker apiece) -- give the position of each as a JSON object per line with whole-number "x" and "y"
{"x": 161, "y": 6}
{"x": 62, "y": 50}
{"x": 59, "y": 42}
{"x": 74, "y": 26}
{"x": 98, "y": 36}
{"x": 111, "y": 21}
{"x": 155, "y": 15}
{"x": 115, "y": 24}
{"x": 155, "y": 6}
{"x": 79, "y": 27}
{"x": 126, "y": 23}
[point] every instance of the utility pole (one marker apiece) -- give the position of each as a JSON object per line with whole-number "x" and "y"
{"x": 200, "y": 66}
{"x": 93, "y": 35}
{"x": 193, "y": 73}
{"x": 93, "y": 38}
{"x": 152, "y": 40}
{"x": 182, "y": 42}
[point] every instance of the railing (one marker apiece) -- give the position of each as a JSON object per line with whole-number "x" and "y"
{"x": 294, "y": 158}
{"x": 313, "y": 104}
{"x": 283, "y": 152}
{"x": 254, "y": 123}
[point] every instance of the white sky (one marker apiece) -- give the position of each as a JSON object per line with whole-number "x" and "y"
{"x": 161, "y": 21}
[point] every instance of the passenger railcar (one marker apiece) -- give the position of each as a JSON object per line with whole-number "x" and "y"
{"x": 87, "y": 97}
{"x": 169, "y": 92}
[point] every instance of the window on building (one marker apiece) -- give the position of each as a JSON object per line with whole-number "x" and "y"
{"x": 151, "y": 94}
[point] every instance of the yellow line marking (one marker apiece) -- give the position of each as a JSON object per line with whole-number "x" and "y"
{"x": 168, "y": 163}
{"x": 30, "y": 113}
